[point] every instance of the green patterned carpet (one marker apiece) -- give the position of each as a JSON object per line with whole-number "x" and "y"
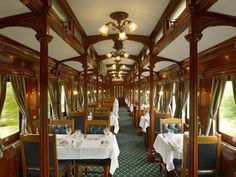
{"x": 133, "y": 154}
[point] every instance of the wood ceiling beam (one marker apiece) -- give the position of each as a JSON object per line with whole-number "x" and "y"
{"x": 36, "y": 6}
{"x": 204, "y": 5}
{"x": 181, "y": 24}
{"x": 145, "y": 40}
{"x": 170, "y": 8}
{"x": 64, "y": 33}
{"x": 22, "y": 20}
{"x": 69, "y": 12}
{"x": 210, "y": 19}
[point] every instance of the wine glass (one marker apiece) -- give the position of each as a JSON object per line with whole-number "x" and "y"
{"x": 68, "y": 130}
{"x": 106, "y": 131}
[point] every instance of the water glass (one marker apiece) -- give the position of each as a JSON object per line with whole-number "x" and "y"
{"x": 68, "y": 130}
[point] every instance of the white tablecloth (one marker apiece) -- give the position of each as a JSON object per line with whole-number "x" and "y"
{"x": 169, "y": 147}
{"x": 90, "y": 148}
{"x": 144, "y": 122}
{"x": 114, "y": 122}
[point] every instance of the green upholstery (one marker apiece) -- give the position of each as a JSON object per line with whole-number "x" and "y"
{"x": 79, "y": 122}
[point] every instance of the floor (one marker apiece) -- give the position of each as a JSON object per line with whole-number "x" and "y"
{"x": 133, "y": 154}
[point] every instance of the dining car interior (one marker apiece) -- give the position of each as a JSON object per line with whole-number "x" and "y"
{"x": 118, "y": 88}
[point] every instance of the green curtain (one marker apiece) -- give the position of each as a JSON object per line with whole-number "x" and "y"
{"x": 168, "y": 96}
{"x": 157, "y": 98}
{"x": 3, "y": 84}
{"x": 177, "y": 99}
{"x": 233, "y": 79}
{"x": 217, "y": 91}
{"x": 74, "y": 97}
{"x": 81, "y": 98}
{"x": 19, "y": 90}
{"x": 53, "y": 93}
{"x": 184, "y": 98}
{"x": 68, "y": 103}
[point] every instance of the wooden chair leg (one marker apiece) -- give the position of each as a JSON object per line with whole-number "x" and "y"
{"x": 106, "y": 170}
{"x": 76, "y": 170}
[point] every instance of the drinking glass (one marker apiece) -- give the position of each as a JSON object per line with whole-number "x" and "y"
{"x": 68, "y": 130}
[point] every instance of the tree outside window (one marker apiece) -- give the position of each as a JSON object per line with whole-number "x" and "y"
{"x": 9, "y": 121}
{"x": 227, "y": 112}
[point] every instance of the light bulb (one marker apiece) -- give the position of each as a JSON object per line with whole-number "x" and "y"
{"x": 123, "y": 66}
{"x": 126, "y": 55}
{"x": 114, "y": 66}
{"x": 109, "y": 55}
{"x": 75, "y": 92}
{"x": 118, "y": 57}
{"x": 104, "y": 30}
{"x": 132, "y": 26}
{"x": 122, "y": 36}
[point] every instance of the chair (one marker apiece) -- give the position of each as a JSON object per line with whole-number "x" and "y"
{"x": 172, "y": 124}
{"x": 209, "y": 148}
{"x": 157, "y": 128}
{"x": 94, "y": 127}
{"x": 103, "y": 109}
{"x": 79, "y": 120}
{"x": 30, "y": 157}
{"x": 59, "y": 126}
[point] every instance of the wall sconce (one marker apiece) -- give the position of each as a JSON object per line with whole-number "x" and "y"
{"x": 88, "y": 92}
{"x": 161, "y": 92}
{"x": 95, "y": 91}
{"x": 172, "y": 23}
{"x": 64, "y": 24}
{"x": 75, "y": 92}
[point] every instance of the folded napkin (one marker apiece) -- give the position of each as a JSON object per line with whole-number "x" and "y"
{"x": 63, "y": 143}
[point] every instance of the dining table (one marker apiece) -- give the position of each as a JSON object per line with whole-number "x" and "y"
{"x": 144, "y": 122}
{"x": 170, "y": 147}
{"x": 88, "y": 146}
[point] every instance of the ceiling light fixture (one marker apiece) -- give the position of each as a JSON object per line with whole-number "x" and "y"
{"x": 120, "y": 17}
{"x": 117, "y": 54}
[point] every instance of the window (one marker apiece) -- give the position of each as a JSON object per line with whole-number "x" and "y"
{"x": 9, "y": 121}
{"x": 63, "y": 100}
{"x": 227, "y": 113}
{"x": 173, "y": 101}
{"x": 49, "y": 107}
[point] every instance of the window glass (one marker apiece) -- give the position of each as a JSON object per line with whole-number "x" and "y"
{"x": 63, "y": 99}
{"x": 49, "y": 106}
{"x": 9, "y": 121}
{"x": 227, "y": 113}
{"x": 173, "y": 101}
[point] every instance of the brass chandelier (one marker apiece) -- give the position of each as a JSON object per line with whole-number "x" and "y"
{"x": 121, "y": 25}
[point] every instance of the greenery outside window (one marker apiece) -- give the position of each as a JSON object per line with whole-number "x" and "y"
{"x": 227, "y": 112}
{"x": 9, "y": 121}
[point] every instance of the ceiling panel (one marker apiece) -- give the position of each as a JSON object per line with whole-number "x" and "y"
{"x": 224, "y": 7}
{"x": 75, "y": 65}
{"x": 12, "y": 7}
{"x": 161, "y": 65}
{"x": 93, "y": 14}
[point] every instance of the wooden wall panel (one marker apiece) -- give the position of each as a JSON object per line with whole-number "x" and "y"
{"x": 228, "y": 161}
{"x": 10, "y": 164}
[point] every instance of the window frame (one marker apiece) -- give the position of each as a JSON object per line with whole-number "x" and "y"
{"x": 226, "y": 138}
{"x": 15, "y": 136}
